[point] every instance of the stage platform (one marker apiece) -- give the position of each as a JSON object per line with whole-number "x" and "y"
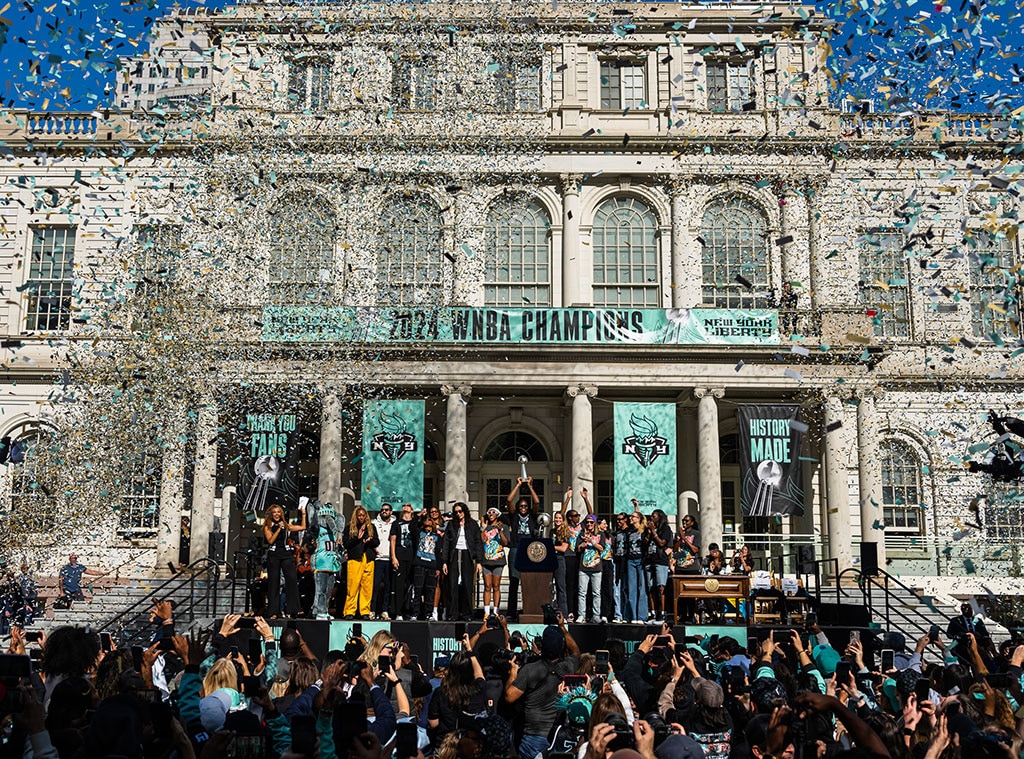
{"x": 429, "y": 640}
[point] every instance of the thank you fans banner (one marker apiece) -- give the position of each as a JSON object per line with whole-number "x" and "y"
{"x": 393, "y": 453}
{"x": 645, "y": 456}
{"x": 771, "y": 436}
{"x": 517, "y": 326}
{"x": 268, "y": 459}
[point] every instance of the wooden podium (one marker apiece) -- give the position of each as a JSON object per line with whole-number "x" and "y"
{"x": 722, "y": 587}
{"x": 535, "y": 562}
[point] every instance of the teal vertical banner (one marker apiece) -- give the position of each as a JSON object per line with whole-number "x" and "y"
{"x": 645, "y": 457}
{"x": 393, "y": 454}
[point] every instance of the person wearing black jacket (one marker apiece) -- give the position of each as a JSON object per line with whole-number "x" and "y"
{"x": 523, "y": 523}
{"x": 462, "y": 552}
{"x": 361, "y": 543}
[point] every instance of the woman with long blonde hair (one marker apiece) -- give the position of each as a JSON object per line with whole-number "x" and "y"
{"x": 361, "y": 543}
{"x": 378, "y": 642}
{"x": 221, "y": 675}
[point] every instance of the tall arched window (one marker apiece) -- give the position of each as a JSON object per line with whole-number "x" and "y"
{"x": 735, "y": 268}
{"x": 410, "y": 268}
{"x": 302, "y": 267}
{"x": 34, "y": 483}
{"x": 902, "y": 491}
{"x": 518, "y": 254}
{"x": 626, "y": 267}
{"x": 507, "y": 448}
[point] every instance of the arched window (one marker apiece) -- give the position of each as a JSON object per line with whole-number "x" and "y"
{"x": 410, "y": 268}
{"x": 34, "y": 480}
{"x": 902, "y": 490}
{"x": 734, "y": 259}
{"x": 509, "y": 446}
{"x": 302, "y": 268}
{"x": 626, "y": 270}
{"x": 518, "y": 254}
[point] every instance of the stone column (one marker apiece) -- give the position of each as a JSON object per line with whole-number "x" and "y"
{"x": 582, "y": 438}
{"x": 709, "y": 466}
{"x": 869, "y": 473}
{"x": 172, "y": 495}
{"x": 837, "y": 489}
{"x": 204, "y": 479}
{"x": 678, "y": 188}
{"x": 572, "y": 292}
{"x": 456, "y": 457}
{"x": 329, "y": 476}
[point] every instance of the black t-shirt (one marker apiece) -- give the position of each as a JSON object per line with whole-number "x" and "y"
{"x": 405, "y": 534}
{"x": 539, "y": 683}
{"x": 634, "y": 544}
{"x": 448, "y": 716}
{"x": 522, "y": 526}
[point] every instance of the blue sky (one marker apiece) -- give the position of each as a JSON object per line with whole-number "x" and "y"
{"x": 904, "y": 54}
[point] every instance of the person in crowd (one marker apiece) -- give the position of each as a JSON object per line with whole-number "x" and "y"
{"x": 462, "y": 553}
{"x": 714, "y": 562}
{"x": 634, "y": 584}
{"x": 618, "y": 550}
{"x": 657, "y": 559}
{"x": 383, "y": 568}
{"x": 608, "y": 593}
{"x": 523, "y": 523}
{"x": 495, "y": 537}
{"x": 536, "y": 684}
{"x": 404, "y": 534}
{"x": 71, "y": 578}
{"x": 742, "y": 561}
{"x": 327, "y": 535}
{"x": 573, "y": 527}
{"x": 281, "y": 559}
{"x": 560, "y": 541}
{"x": 687, "y": 546}
{"x": 426, "y": 567}
{"x": 361, "y": 543}
{"x": 590, "y": 549}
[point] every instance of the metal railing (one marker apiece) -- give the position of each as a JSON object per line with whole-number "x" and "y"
{"x": 201, "y": 578}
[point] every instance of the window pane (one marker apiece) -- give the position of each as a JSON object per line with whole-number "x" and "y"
{"x": 901, "y": 486}
{"x": 994, "y": 285}
{"x": 410, "y": 267}
{"x": 735, "y": 235}
{"x": 302, "y": 269}
{"x": 50, "y": 279}
{"x": 883, "y": 282}
{"x": 518, "y": 255}
{"x": 626, "y": 266}
{"x": 33, "y": 505}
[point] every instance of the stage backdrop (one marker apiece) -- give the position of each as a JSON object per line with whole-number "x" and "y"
{"x": 393, "y": 454}
{"x": 268, "y": 459}
{"x": 770, "y": 441}
{"x": 645, "y": 456}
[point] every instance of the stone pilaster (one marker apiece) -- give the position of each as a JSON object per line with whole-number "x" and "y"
{"x": 456, "y": 456}
{"x": 709, "y": 466}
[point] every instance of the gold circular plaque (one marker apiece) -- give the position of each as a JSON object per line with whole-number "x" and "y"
{"x": 711, "y": 585}
{"x": 536, "y": 551}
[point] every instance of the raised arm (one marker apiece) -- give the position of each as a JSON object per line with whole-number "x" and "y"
{"x": 586, "y": 500}
{"x": 510, "y": 501}
{"x": 566, "y": 501}
{"x": 534, "y": 498}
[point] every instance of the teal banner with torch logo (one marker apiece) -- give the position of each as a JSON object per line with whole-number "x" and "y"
{"x": 393, "y": 454}
{"x": 645, "y": 457}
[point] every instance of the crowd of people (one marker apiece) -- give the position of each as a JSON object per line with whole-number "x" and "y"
{"x": 242, "y": 691}
{"x": 428, "y": 565}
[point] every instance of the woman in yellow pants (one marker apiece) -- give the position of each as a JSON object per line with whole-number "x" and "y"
{"x": 361, "y": 542}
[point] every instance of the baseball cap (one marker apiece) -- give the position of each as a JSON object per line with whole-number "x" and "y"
{"x": 590, "y": 518}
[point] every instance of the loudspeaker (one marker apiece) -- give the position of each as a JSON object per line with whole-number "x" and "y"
{"x": 218, "y": 546}
{"x": 805, "y": 559}
{"x": 869, "y": 559}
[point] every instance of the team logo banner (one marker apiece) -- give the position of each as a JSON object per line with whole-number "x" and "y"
{"x": 268, "y": 460}
{"x": 645, "y": 456}
{"x": 770, "y": 440}
{"x": 393, "y": 453}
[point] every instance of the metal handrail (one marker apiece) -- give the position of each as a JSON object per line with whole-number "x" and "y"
{"x": 199, "y": 568}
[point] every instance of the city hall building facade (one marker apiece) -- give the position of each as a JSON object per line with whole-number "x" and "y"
{"x": 574, "y": 168}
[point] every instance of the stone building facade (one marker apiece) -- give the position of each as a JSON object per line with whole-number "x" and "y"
{"x": 604, "y": 156}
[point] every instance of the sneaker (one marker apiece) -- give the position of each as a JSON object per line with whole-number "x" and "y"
{"x": 433, "y": 617}
{"x": 385, "y": 616}
{"x": 596, "y": 621}
{"x": 323, "y": 616}
{"x": 603, "y": 620}
{"x": 399, "y": 618}
{"x": 374, "y": 617}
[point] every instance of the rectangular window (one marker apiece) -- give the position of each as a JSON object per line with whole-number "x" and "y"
{"x": 1004, "y": 512}
{"x": 622, "y": 85}
{"x": 159, "y": 251}
{"x": 309, "y": 85}
{"x": 140, "y": 507}
{"x": 994, "y": 291}
{"x": 729, "y": 85}
{"x": 517, "y": 86}
{"x": 884, "y": 287}
{"x": 498, "y": 489}
{"x": 50, "y": 279}
{"x": 414, "y": 85}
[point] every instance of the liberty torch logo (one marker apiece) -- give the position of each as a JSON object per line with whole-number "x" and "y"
{"x": 645, "y": 445}
{"x": 392, "y": 441}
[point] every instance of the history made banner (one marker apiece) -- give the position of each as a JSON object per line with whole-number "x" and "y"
{"x": 645, "y": 456}
{"x": 771, "y": 436}
{"x": 393, "y": 454}
{"x": 519, "y": 326}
